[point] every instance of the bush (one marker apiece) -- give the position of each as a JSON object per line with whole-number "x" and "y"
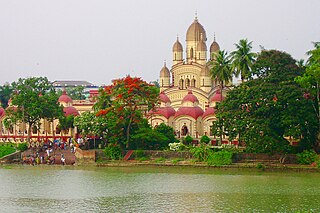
{"x": 205, "y": 154}
{"x": 200, "y": 152}
{"x": 220, "y": 158}
{"x": 205, "y": 139}
{"x": 188, "y": 140}
{"x": 6, "y": 150}
{"x": 139, "y": 154}
{"x": 307, "y": 157}
{"x": 113, "y": 152}
{"x": 22, "y": 147}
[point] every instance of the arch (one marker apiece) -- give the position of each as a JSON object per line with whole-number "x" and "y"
{"x": 184, "y": 130}
{"x": 203, "y": 82}
{"x": 175, "y": 56}
{"x": 199, "y": 56}
{"x": 193, "y": 82}
{"x": 191, "y": 52}
{"x": 181, "y": 81}
{"x": 187, "y": 82}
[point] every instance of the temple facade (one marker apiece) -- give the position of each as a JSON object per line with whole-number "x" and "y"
{"x": 188, "y": 93}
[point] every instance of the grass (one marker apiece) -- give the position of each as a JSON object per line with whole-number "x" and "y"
{"x": 160, "y": 160}
{"x": 177, "y": 160}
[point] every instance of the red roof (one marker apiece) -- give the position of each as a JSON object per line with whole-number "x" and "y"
{"x": 209, "y": 111}
{"x": 64, "y": 98}
{"x": 217, "y": 97}
{"x": 70, "y": 111}
{"x": 164, "y": 98}
{"x": 194, "y": 112}
{"x": 166, "y": 112}
{"x": 190, "y": 97}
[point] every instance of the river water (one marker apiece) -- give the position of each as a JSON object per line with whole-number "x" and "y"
{"x": 155, "y": 189}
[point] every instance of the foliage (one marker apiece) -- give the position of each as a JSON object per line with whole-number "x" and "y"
{"x": 243, "y": 59}
{"x": 5, "y": 94}
{"x": 201, "y": 153}
{"x": 126, "y": 99}
{"x": 221, "y": 68}
{"x": 160, "y": 160}
{"x": 167, "y": 131}
{"x": 34, "y": 99}
{"x": 205, "y": 139}
{"x": 205, "y": 154}
{"x": 22, "y": 147}
{"x": 139, "y": 154}
{"x": 113, "y": 152}
{"x": 267, "y": 111}
{"x": 176, "y": 160}
{"x": 310, "y": 81}
{"x": 6, "y": 150}
{"x": 188, "y": 140}
{"x": 147, "y": 138}
{"x": 307, "y": 157}
{"x": 220, "y": 158}
{"x": 66, "y": 122}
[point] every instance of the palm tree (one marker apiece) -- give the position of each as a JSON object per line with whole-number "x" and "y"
{"x": 221, "y": 69}
{"x": 242, "y": 59}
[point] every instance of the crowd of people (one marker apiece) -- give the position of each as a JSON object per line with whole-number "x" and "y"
{"x": 47, "y": 154}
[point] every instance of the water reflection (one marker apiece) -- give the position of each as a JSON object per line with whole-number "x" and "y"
{"x": 72, "y": 189}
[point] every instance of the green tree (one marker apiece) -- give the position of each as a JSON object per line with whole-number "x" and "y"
{"x": 66, "y": 122}
{"x": 265, "y": 112}
{"x": 167, "y": 131}
{"x": 310, "y": 81}
{"x": 243, "y": 59}
{"x": 34, "y": 99}
{"x": 5, "y": 94}
{"x": 130, "y": 98}
{"x": 221, "y": 71}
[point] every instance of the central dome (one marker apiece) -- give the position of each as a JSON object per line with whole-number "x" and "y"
{"x": 196, "y": 31}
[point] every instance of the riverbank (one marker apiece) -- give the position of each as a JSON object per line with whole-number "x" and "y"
{"x": 241, "y": 166}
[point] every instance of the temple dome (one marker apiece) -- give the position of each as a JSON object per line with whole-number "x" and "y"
{"x": 64, "y": 98}
{"x": 217, "y": 97}
{"x": 209, "y": 111}
{"x": 166, "y": 112}
{"x": 164, "y": 98}
{"x": 196, "y": 31}
{"x": 165, "y": 72}
{"x": 193, "y": 112}
{"x": 214, "y": 47}
{"x": 177, "y": 47}
{"x": 190, "y": 97}
{"x": 70, "y": 111}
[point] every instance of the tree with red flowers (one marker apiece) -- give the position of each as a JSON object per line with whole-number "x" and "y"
{"x": 129, "y": 99}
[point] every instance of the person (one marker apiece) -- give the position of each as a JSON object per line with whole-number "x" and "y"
{"x": 48, "y": 152}
{"x": 63, "y": 160}
{"x": 71, "y": 147}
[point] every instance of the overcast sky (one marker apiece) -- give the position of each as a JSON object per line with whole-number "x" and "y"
{"x": 99, "y": 40}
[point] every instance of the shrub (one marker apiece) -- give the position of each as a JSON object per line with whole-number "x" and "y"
{"x": 307, "y": 157}
{"x": 143, "y": 159}
{"x": 177, "y": 160}
{"x": 113, "y": 152}
{"x": 200, "y": 152}
{"x": 188, "y": 140}
{"x": 159, "y": 160}
{"x": 6, "y": 150}
{"x": 22, "y": 147}
{"x": 220, "y": 158}
{"x": 139, "y": 154}
{"x": 205, "y": 139}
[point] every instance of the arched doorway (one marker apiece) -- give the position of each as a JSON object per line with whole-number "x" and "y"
{"x": 184, "y": 130}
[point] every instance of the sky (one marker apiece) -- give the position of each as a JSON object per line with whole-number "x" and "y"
{"x": 100, "y": 40}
